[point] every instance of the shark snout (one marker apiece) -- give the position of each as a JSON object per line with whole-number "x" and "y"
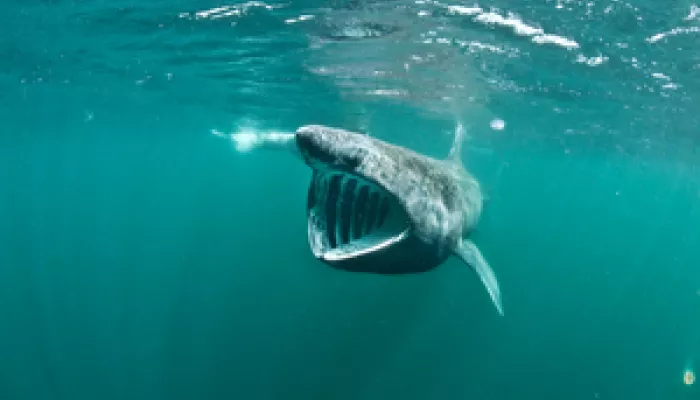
{"x": 313, "y": 148}
{"x": 328, "y": 148}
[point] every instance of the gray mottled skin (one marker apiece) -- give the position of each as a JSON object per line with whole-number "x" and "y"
{"x": 442, "y": 201}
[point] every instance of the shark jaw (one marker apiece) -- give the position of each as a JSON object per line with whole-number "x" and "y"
{"x": 350, "y": 217}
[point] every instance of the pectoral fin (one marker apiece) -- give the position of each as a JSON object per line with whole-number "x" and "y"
{"x": 471, "y": 256}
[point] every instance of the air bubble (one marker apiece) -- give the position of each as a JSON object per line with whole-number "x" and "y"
{"x": 498, "y": 124}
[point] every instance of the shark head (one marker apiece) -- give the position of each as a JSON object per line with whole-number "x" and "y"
{"x": 374, "y": 206}
{"x": 325, "y": 148}
{"x": 355, "y": 222}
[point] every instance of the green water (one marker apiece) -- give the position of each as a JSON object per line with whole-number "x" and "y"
{"x": 142, "y": 257}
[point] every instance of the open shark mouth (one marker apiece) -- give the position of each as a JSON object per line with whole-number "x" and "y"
{"x": 349, "y": 216}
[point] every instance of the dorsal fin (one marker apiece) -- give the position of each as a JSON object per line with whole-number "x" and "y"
{"x": 455, "y": 155}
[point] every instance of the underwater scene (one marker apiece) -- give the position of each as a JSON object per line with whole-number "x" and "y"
{"x": 350, "y": 199}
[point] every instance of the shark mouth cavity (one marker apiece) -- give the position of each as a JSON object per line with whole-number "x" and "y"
{"x": 349, "y": 216}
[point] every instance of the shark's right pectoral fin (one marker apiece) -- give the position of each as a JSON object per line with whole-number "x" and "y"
{"x": 470, "y": 255}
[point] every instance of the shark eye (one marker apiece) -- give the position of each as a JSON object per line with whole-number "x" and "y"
{"x": 351, "y": 162}
{"x": 353, "y": 158}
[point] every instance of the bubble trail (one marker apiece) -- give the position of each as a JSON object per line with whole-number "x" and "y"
{"x": 248, "y": 139}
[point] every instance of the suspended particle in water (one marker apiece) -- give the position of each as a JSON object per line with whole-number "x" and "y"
{"x": 498, "y": 124}
{"x": 689, "y": 377}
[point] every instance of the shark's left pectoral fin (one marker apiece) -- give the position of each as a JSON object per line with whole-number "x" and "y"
{"x": 471, "y": 256}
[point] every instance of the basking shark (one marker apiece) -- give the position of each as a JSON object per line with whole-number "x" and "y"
{"x": 375, "y": 207}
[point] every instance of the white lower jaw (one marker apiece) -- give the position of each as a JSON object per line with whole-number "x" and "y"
{"x": 340, "y": 254}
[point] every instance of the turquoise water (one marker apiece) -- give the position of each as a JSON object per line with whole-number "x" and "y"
{"x": 142, "y": 257}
